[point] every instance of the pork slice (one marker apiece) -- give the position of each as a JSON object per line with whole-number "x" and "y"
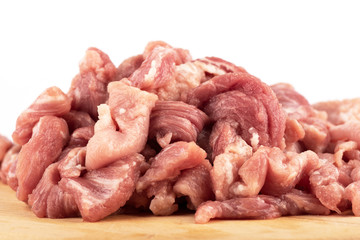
{"x": 214, "y": 66}
{"x": 181, "y": 56}
{"x": 128, "y": 66}
{"x": 317, "y": 135}
{"x": 163, "y": 203}
{"x": 49, "y": 137}
{"x": 298, "y": 202}
{"x": 187, "y": 77}
{"x": 293, "y": 132}
{"x": 350, "y": 130}
{"x": 352, "y": 193}
{"x": 256, "y": 107}
{"x": 293, "y": 103}
{"x": 89, "y": 88}
{"x": 123, "y": 126}
{"x": 195, "y": 184}
{"x": 51, "y": 102}
{"x": 341, "y": 148}
{"x": 230, "y": 152}
{"x": 78, "y": 119}
{"x": 38, "y": 197}
{"x": 326, "y": 187}
{"x": 176, "y": 121}
{"x": 157, "y": 69}
{"x": 257, "y": 207}
{"x": 72, "y": 164}
{"x": 81, "y": 136}
{"x": 11, "y": 178}
{"x": 170, "y": 161}
{"x": 5, "y": 145}
{"x": 285, "y": 170}
{"x": 339, "y": 112}
{"x": 252, "y": 175}
{"x": 103, "y": 191}
{"x": 9, "y": 158}
{"x": 61, "y": 204}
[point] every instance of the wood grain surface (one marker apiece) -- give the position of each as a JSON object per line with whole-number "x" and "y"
{"x": 18, "y": 222}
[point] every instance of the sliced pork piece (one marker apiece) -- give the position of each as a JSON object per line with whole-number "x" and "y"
{"x": 326, "y": 187}
{"x": 352, "y": 193}
{"x": 88, "y": 88}
{"x": 347, "y": 131}
{"x": 285, "y": 170}
{"x": 261, "y": 207}
{"x": 170, "y": 161}
{"x": 77, "y": 119}
{"x": 49, "y": 137}
{"x": 253, "y": 105}
{"x": 81, "y": 136}
{"x": 157, "y": 69}
{"x": 181, "y": 56}
{"x": 51, "y": 102}
{"x": 213, "y": 66}
{"x": 9, "y": 159}
{"x": 103, "y": 191}
{"x": 123, "y": 126}
{"x": 342, "y": 111}
{"x": 187, "y": 77}
{"x": 175, "y": 121}
{"x": 195, "y": 184}
{"x": 72, "y": 163}
{"x": 128, "y": 66}
{"x": 61, "y": 204}
{"x": 5, "y": 145}
{"x": 237, "y": 208}
{"x": 163, "y": 203}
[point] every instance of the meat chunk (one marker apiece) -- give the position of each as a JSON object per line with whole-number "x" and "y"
{"x": 352, "y": 194}
{"x": 72, "y": 164}
{"x": 257, "y": 109}
{"x": 170, "y": 161}
{"x": 214, "y": 66}
{"x": 128, "y": 111}
{"x": 44, "y": 147}
{"x": 128, "y": 66}
{"x": 187, "y": 77}
{"x": 5, "y": 145}
{"x": 285, "y": 170}
{"x": 156, "y": 70}
{"x": 89, "y": 88}
{"x": 175, "y": 121}
{"x": 77, "y": 119}
{"x": 195, "y": 184}
{"x": 347, "y": 131}
{"x": 261, "y": 207}
{"x": 326, "y": 187}
{"x": 9, "y": 159}
{"x": 181, "y": 56}
{"x": 340, "y": 112}
{"x": 103, "y": 191}
{"x": 163, "y": 203}
{"x": 81, "y": 136}
{"x": 52, "y": 102}
{"x": 237, "y": 208}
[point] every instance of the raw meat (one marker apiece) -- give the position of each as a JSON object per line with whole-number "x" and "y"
{"x": 256, "y": 106}
{"x": 5, "y": 145}
{"x": 88, "y": 88}
{"x": 44, "y": 147}
{"x": 175, "y": 121}
{"x": 162, "y": 132}
{"x": 123, "y": 126}
{"x": 102, "y": 192}
{"x": 52, "y": 102}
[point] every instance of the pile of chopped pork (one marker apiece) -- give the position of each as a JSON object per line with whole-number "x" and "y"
{"x": 163, "y": 132}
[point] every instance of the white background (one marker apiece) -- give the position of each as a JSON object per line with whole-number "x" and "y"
{"x": 314, "y": 45}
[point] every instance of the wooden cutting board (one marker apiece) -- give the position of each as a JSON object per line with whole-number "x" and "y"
{"x": 18, "y": 222}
